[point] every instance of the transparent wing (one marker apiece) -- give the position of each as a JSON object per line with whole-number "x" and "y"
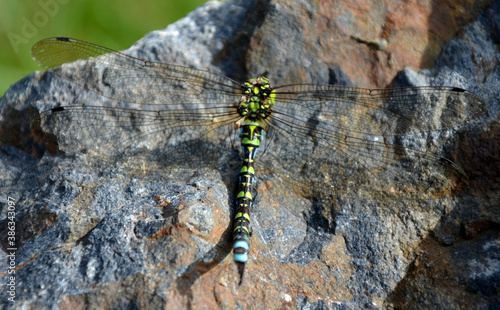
{"x": 174, "y": 114}
{"x": 380, "y": 112}
{"x": 124, "y": 78}
{"x": 139, "y": 140}
{"x": 348, "y": 137}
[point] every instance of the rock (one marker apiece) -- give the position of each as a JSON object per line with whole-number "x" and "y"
{"x": 93, "y": 234}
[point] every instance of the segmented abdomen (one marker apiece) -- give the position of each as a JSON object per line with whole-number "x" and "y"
{"x": 251, "y": 137}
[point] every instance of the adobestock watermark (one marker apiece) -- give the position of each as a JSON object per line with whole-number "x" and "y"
{"x": 40, "y": 19}
{"x": 11, "y": 250}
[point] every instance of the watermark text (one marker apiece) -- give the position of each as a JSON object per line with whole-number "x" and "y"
{"x": 30, "y": 26}
{"x": 11, "y": 249}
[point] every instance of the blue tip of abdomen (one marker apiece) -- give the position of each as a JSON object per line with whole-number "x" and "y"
{"x": 240, "y": 256}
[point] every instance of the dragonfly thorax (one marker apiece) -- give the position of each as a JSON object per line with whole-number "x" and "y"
{"x": 257, "y": 100}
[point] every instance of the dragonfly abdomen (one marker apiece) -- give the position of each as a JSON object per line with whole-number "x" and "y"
{"x": 251, "y": 137}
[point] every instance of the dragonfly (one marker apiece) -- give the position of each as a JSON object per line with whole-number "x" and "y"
{"x": 158, "y": 115}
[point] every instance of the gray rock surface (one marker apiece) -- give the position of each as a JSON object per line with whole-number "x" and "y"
{"x": 94, "y": 235}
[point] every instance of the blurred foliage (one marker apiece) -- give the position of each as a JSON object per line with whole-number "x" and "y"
{"x": 116, "y": 24}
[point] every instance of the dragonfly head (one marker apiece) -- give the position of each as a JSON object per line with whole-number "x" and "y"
{"x": 257, "y": 100}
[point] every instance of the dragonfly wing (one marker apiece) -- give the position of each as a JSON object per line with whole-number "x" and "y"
{"x": 352, "y": 138}
{"x": 124, "y": 78}
{"x": 139, "y": 140}
{"x": 381, "y": 112}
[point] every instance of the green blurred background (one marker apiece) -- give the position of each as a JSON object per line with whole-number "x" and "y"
{"x": 116, "y": 24}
